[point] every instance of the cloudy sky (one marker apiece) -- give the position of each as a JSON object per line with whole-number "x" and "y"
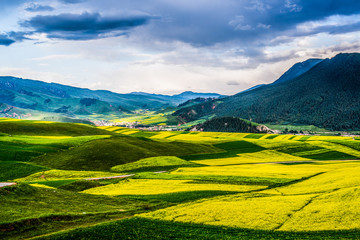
{"x": 170, "y": 46}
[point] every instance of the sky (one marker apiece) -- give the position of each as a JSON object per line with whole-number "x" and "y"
{"x": 171, "y": 46}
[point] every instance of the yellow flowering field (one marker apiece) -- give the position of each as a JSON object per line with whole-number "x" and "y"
{"x": 159, "y": 186}
{"x": 338, "y": 210}
{"x": 162, "y": 135}
{"x": 41, "y": 185}
{"x": 128, "y": 132}
{"x": 342, "y": 175}
{"x": 326, "y": 138}
{"x": 208, "y": 136}
{"x": 336, "y": 147}
{"x": 254, "y": 170}
{"x": 242, "y": 210}
{"x": 256, "y": 157}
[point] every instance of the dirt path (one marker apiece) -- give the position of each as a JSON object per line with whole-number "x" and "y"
{"x": 112, "y": 177}
{"x": 5, "y": 184}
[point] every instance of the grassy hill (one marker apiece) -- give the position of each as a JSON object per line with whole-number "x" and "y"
{"x": 141, "y": 228}
{"x": 103, "y": 154}
{"x": 45, "y": 128}
{"x": 28, "y": 211}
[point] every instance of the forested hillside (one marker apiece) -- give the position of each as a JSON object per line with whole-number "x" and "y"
{"x": 230, "y": 124}
{"x": 326, "y": 96}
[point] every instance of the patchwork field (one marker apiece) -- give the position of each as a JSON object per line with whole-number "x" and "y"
{"x": 119, "y": 183}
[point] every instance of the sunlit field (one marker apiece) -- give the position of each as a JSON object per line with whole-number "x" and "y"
{"x": 224, "y": 185}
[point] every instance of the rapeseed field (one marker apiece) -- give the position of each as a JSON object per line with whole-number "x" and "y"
{"x": 284, "y": 186}
{"x": 160, "y": 186}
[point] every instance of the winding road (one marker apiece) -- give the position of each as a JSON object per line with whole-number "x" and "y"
{"x": 5, "y": 184}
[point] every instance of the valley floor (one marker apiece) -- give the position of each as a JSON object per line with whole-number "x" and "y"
{"x": 179, "y": 185}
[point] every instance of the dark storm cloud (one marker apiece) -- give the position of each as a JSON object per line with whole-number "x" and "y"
{"x": 19, "y": 36}
{"x": 5, "y": 40}
{"x": 83, "y": 26}
{"x": 34, "y": 7}
{"x": 248, "y": 22}
{"x": 251, "y": 24}
{"x": 12, "y": 37}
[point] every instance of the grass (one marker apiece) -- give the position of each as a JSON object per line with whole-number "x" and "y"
{"x": 22, "y": 201}
{"x": 23, "y": 148}
{"x": 30, "y": 211}
{"x": 24, "y": 152}
{"x": 52, "y": 175}
{"x": 330, "y": 155}
{"x": 272, "y": 136}
{"x": 180, "y": 197}
{"x": 41, "y": 128}
{"x": 255, "y": 135}
{"x": 144, "y": 134}
{"x": 152, "y": 164}
{"x": 141, "y": 228}
{"x": 104, "y": 154}
{"x": 12, "y": 170}
{"x": 265, "y": 156}
{"x": 232, "y": 149}
{"x": 81, "y": 185}
{"x": 316, "y": 150}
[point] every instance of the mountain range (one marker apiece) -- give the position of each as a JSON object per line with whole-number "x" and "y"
{"x": 320, "y": 92}
{"x": 57, "y": 98}
{"x": 324, "y": 93}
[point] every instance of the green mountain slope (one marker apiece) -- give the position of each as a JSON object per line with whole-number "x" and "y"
{"x": 327, "y": 96}
{"x": 57, "y": 98}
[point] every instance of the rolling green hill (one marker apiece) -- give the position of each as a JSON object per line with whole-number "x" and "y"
{"x": 325, "y": 96}
{"x": 41, "y": 128}
{"x": 103, "y": 154}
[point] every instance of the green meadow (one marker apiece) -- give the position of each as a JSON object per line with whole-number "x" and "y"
{"x": 75, "y": 181}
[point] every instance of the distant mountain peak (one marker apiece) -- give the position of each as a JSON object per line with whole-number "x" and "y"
{"x": 298, "y": 69}
{"x": 192, "y": 94}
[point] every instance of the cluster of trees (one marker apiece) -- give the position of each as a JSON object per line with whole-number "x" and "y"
{"x": 194, "y": 101}
{"x": 228, "y": 124}
{"x": 286, "y": 131}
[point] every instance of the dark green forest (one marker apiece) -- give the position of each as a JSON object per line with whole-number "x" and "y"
{"x": 326, "y": 96}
